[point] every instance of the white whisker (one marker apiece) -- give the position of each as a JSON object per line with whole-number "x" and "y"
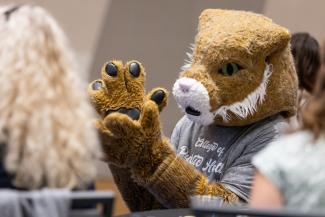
{"x": 249, "y": 105}
{"x": 189, "y": 58}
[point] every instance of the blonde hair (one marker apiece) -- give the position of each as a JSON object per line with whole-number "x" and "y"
{"x": 45, "y": 116}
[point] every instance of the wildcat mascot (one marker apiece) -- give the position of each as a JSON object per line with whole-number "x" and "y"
{"x": 236, "y": 90}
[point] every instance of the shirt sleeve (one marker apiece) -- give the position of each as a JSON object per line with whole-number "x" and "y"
{"x": 238, "y": 176}
{"x": 276, "y": 161}
{"x": 268, "y": 164}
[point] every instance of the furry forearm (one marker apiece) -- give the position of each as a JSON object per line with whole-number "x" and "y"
{"x": 136, "y": 197}
{"x": 175, "y": 181}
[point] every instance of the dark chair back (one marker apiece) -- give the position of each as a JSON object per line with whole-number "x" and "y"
{"x": 104, "y": 199}
{"x": 84, "y": 203}
{"x": 205, "y": 207}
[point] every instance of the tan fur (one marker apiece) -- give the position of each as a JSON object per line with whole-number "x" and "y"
{"x": 116, "y": 94}
{"x": 121, "y": 151}
{"x": 138, "y": 145}
{"x": 45, "y": 116}
{"x": 136, "y": 197}
{"x": 175, "y": 181}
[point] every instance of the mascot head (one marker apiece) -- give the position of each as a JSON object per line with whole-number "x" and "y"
{"x": 241, "y": 70}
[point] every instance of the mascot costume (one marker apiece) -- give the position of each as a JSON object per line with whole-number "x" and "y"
{"x": 236, "y": 90}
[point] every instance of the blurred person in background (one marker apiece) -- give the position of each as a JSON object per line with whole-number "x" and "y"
{"x": 290, "y": 171}
{"x": 46, "y": 134}
{"x": 306, "y": 53}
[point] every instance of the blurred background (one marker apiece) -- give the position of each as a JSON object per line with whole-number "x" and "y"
{"x": 157, "y": 33}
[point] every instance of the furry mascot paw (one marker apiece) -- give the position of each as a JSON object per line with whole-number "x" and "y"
{"x": 236, "y": 90}
{"x": 130, "y": 120}
{"x": 142, "y": 161}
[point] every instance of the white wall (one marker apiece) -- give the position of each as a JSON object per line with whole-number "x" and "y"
{"x": 82, "y": 20}
{"x": 299, "y": 15}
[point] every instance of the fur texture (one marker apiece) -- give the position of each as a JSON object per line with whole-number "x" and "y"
{"x": 123, "y": 139}
{"x": 175, "y": 181}
{"x": 249, "y": 105}
{"x": 142, "y": 159}
{"x": 122, "y": 91}
{"x": 136, "y": 197}
{"x": 189, "y": 60}
{"x": 45, "y": 117}
{"x": 253, "y": 93}
{"x": 196, "y": 96}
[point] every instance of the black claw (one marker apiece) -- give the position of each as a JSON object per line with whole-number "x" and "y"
{"x": 135, "y": 69}
{"x": 158, "y": 97}
{"x": 111, "y": 69}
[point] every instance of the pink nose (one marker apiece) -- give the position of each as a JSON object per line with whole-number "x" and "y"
{"x": 185, "y": 87}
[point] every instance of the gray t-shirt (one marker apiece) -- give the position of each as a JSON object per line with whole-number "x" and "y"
{"x": 223, "y": 153}
{"x": 295, "y": 165}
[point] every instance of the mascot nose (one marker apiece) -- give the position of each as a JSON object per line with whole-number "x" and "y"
{"x": 185, "y": 84}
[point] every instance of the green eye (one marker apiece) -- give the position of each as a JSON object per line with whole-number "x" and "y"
{"x": 229, "y": 69}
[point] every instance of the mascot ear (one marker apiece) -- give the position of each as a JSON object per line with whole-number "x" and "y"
{"x": 267, "y": 36}
{"x": 209, "y": 18}
{"x": 274, "y": 39}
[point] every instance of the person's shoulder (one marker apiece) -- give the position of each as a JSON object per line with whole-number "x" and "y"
{"x": 296, "y": 138}
{"x": 181, "y": 124}
{"x": 276, "y": 156}
{"x": 276, "y": 121}
{"x": 270, "y": 126}
{"x": 179, "y": 130}
{"x": 271, "y": 121}
{"x": 289, "y": 143}
{"x": 184, "y": 121}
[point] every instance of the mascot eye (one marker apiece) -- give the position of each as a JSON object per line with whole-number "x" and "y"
{"x": 229, "y": 69}
{"x": 134, "y": 69}
{"x": 111, "y": 69}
